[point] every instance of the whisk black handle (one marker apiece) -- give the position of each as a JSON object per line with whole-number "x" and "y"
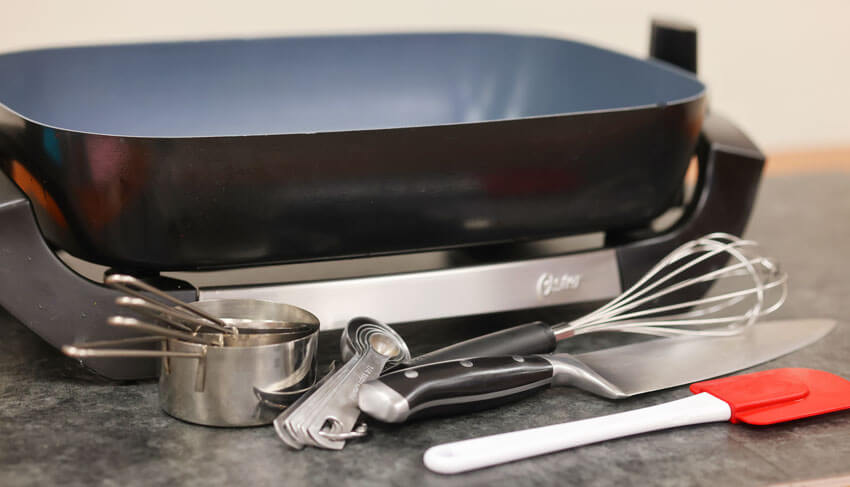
{"x": 526, "y": 339}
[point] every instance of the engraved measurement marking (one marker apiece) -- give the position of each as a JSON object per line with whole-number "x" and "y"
{"x": 362, "y": 378}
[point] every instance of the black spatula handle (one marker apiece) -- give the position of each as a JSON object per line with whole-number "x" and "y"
{"x": 454, "y": 387}
{"x": 529, "y": 338}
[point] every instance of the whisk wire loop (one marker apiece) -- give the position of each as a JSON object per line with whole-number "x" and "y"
{"x": 711, "y": 276}
{"x": 686, "y": 250}
{"x": 635, "y": 290}
{"x": 711, "y": 315}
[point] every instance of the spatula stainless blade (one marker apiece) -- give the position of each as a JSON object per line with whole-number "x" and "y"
{"x": 619, "y": 372}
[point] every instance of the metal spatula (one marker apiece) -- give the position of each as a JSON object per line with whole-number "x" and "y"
{"x": 760, "y": 398}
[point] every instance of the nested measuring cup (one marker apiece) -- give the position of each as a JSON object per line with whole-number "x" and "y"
{"x": 210, "y": 377}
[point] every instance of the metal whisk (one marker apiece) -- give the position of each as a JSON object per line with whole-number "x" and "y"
{"x": 651, "y": 305}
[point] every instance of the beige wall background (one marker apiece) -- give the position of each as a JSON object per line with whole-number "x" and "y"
{"x": 781, "y": 69}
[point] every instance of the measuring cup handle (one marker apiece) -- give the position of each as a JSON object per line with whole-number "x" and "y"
{"x": 161, "y": 330}
{"x": 80, "y": 351}
{"x": 133, "y": 286}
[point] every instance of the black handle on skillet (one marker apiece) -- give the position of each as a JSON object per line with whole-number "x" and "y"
{"x": 454, "y": 387}
{"x": 525, "y": 339}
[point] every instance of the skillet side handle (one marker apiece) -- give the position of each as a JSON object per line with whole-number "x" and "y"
{"x": 730, "y": 168}
{"x": 51, "y": 299}
{"x": 675, "y": 43}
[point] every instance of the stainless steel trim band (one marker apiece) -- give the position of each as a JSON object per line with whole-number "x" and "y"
{"x": 462, "y": 291}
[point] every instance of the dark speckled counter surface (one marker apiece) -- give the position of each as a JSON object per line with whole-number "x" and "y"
{"x": 61, "y": 425}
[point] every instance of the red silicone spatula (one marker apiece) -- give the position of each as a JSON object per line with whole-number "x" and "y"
{"x": 761, "y": 398}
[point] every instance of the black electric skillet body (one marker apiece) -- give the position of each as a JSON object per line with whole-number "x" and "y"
{"x": 200, "y": 155}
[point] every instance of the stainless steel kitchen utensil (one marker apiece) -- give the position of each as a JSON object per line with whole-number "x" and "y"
{"x": 229, "y": 376}
{"x": 666, "y": 301}
{"x": 635, "y": 310}
{"x": 327, "y": 417}
{"x": 168, "y": 314}
{"x": 186, "y": 311}
{"x": 209, "y": 377}
{"x": 459, "y": 386}
{"x": 365, "y": 326}
{"x": 282, "y": 394}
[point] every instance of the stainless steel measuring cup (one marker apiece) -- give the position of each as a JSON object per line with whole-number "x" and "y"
{"x": 209, "y": 378}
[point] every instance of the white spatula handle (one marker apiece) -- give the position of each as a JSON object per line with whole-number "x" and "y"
{"x": 487, "y": 451}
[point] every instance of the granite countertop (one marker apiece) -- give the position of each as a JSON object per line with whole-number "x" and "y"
{"x": 60, "y": 424}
